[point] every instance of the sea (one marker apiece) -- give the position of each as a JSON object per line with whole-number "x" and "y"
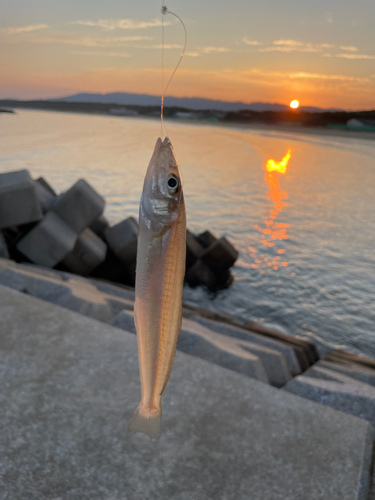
{"x": 299, "y": 207}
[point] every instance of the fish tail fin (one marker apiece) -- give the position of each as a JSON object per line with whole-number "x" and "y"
{"x": 147, "y": 420}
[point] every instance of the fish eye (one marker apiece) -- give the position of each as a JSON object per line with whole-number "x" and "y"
{"x": 173, "y": 183}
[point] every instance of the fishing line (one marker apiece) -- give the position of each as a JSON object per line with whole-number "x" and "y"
{"x": 164, "y": 11}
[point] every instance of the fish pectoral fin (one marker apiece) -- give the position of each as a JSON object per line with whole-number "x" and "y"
{"x": 146, "y": 420}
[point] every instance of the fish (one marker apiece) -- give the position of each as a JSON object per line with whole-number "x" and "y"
{"x": 160, "y": 270}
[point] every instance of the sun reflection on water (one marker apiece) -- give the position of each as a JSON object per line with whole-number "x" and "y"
{"x": 273, "y": 231}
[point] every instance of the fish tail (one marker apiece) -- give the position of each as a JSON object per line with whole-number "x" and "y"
{"x": 147, "y": 420}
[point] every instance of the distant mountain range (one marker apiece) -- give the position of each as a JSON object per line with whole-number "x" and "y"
{"x": 194, "y": 103}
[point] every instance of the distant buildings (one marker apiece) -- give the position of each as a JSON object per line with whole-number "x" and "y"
{"x": 361, "y": 124}
{"x": 123, "y": 112}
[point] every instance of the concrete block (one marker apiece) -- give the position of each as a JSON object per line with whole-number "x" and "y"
{"x": 3, "y": 247}
{"x": 116, "y": 291}
{"x": 286, "y": 350}
{"x": 205, "y": 344}
{"x": 11, "y": 278}
{"x": 19, "y": 203}
{"x": 47, "y": 186}
{"x": 331, "y": 388}
{"x": 221, "y": 254}
{"x": 49, "y": 242}
{"x": 306, "y": 352}
{"x": 273, "y": 361}
{"x": 122, "y": 240}
{"x": 341, "y": 356}
{"x": 66, "y": 290}
{"x": 358, "y": 371}
{"x": 125, "y": 321}
{"x": 44, "y": 194}
{"x": 67, "y": 381}
{"x": 193, "y": 249}
{"x": 113, "y": 269}
{"x": 99, "y": 225}
{"x": 83, "y": 298}
{"x": 88, "y": 252}
{"x": 80, "y": 206}
{"x": 200, "y": 274}
{"x": 206, "y": 239}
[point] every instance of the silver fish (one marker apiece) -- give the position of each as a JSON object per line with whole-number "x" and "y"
{"x": 159, "y": 279}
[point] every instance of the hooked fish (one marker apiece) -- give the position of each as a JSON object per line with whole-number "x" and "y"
{"x": 160, "y": 273}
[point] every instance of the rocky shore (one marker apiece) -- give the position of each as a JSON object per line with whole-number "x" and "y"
{"x": 69, "y": 232}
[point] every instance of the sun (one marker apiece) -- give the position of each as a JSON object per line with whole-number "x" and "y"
{"x": 294, "y": 104}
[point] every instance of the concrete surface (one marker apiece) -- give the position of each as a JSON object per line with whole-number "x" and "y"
{"x": 222, "y": 352}
{"x": 69, "y": 384}
{"x": 18, "y": 199}
{"x": 221, "y": 254}
{"x": 48, "y": 242}
{"x": 193, "y": 248}
{"x": 200, "y": 273}
{"x": 252, "y": 360}
{"x": 238, "y": 350}
{"x": 80, "y": 206}
{"x": 99, "y": 225}
{"x": 233, "y": 353}
{"x": 64, "y": 289}
{"x": 122, "y": 239}
{"x": 44, "y": 193}
{"x": 343, "y": 356}
{"x": 332, "y": 388}
{"x": 125, "y": 321}
{"x": 355, "y": 370}
{"x": 306, "y": 351}
{"x": 88, "y": 252}
{"x": 286, "y": 350}
{"x": 3, "y": 247}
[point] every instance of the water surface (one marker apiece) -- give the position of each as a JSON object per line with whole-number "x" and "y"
{"x": 305, "y": 236}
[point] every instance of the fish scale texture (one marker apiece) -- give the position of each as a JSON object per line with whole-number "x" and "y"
{"x": 68, "y": 380}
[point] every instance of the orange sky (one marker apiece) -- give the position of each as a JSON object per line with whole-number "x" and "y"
{"x": 235, "y": 53}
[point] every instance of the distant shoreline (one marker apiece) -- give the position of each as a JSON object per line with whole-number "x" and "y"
{"x": 271, "y": 127}
{"x": 321, "y": 131}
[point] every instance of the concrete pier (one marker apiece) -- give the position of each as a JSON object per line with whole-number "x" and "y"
{"x": 69, "y": 384}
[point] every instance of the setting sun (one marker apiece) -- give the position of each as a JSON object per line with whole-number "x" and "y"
{"x": 294, "y": 104}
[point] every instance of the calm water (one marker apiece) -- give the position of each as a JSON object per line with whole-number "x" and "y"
{"x": 306, "y": 237}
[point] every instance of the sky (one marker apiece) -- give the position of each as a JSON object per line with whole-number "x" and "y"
{"x": 319, "y": 52}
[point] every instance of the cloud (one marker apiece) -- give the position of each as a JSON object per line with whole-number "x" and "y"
{"x": 300, "y": 79}
{"x": 160, "y": 46}
{"x": 101, "y": 54}
{"x": 124, "y": 24}
{"x": 290, "y": 43}
{"x": 285, "y": 77}
{"x": 251, "y": 42}
{"x": 24, "y": 29}
{"x": 355, "y": 56}
{"x": 210, "y": 50}
{"x": 307, "y": 48}
{"x": 319, "y": 76}
{"x": 296, "y": 46}
{"x": 349, "y": 49}
{"x": 192, "y": 54}
{"x": 119, "y": 41}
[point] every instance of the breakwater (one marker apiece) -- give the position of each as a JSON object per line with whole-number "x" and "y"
{"x": 69, "y": 232}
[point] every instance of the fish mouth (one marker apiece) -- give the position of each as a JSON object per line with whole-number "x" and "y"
{"x": 165, "y": 155}
{"x": 165, "y": 144}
